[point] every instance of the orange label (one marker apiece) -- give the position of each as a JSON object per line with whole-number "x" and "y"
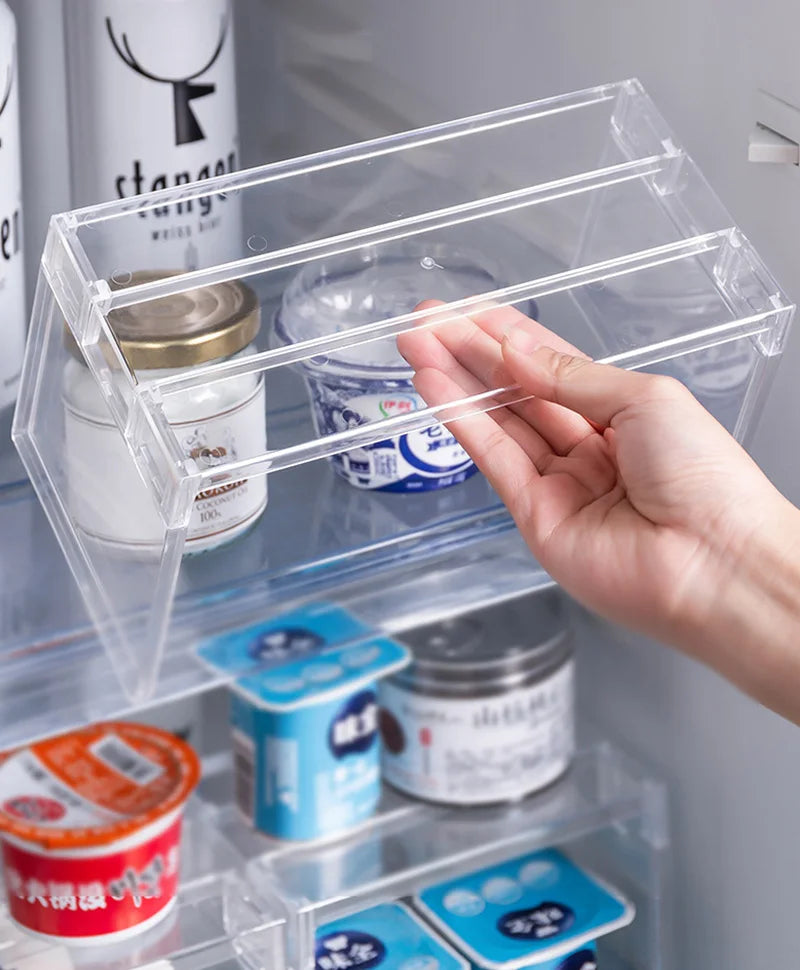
{"x": 95, "y": 785}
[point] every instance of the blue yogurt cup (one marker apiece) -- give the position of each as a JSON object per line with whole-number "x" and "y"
{"x": 306, "y": 743}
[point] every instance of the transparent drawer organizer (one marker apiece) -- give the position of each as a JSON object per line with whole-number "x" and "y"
{"x": 248, "y": 903}
{"x": 581, "y": 209}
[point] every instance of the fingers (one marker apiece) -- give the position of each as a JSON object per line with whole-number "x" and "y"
{"x": 461, "y": 346}
{"x": 509, "y": 466}
{"x": 433, "y": 356}
{"x": 438, "y": 387}
{"x": 500, "y": 320}
{"x": 474, "y": 339}
{"x": 538, "y": 503}
{"x": 599, "y": 392}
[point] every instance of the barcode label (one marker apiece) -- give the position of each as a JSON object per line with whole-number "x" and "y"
{"x": 244, "y": 765}
{"x": 123, "y": 759}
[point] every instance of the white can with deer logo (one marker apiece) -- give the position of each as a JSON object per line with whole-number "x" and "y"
{"x": 222, "y": 421}
{"x": 152, "y": 98}
{"x": 12, "y": 286}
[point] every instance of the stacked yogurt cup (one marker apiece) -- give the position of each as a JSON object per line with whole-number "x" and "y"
{"x": 358, "y": 385}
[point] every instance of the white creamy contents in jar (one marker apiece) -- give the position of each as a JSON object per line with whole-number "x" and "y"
{"x": 216, "y": 422}
{"x": 477, "y": 720}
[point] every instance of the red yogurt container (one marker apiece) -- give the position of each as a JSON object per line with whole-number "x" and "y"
{"x": 90, "y": 826}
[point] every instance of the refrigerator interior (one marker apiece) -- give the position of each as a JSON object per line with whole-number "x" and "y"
{"x": 313, "y": 76}
{"x": 725, "y": 758}
{"x": 593, "y": 233}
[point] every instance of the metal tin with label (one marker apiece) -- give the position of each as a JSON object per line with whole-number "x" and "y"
{"x": 484, "y": 713}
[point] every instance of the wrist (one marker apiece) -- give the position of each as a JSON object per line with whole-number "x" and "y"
{"x": 745, "y": 621}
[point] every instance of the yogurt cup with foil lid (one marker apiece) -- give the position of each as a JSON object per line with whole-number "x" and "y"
{"x": 90, "y": 824}
{"x": 306, "y": 741}
{"x": 390, "y": 936}
{"x": 537, "y": 911}
{"x": 359, "y": 385}
{"x": 484, "y": 713}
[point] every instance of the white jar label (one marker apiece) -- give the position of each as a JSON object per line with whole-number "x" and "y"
{"x": 153, "y": 106}
{"x": 12, "y": 285}
{"x": 128, "y": 515}
{"x": 478, "y": 751}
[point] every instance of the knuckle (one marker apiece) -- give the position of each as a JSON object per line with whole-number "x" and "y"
{"x": 499, "y": 376}
{"x": 565, "y": 367}
{"x": 663, "y": 388}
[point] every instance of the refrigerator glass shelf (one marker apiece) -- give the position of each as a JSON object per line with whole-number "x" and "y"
{"x": 250, "y": 903}
{"x": 55, "y": 674}
{"x": 582, "y": 210}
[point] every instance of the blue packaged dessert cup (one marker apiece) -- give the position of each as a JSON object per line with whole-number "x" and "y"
{"x": 306, "y": 742}
{"x": 359, "y": 385}
{"x": 389, "y": 937}
{"x": 538, "y": 911}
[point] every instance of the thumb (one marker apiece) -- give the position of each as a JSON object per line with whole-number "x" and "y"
{"x": 596, "y": 391}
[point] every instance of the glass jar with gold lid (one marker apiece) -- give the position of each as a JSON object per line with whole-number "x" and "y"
{"x": 226, "y": 418}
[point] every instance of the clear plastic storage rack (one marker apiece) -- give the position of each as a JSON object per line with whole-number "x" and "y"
{"x": 247, "y": 902}
{"x": 582, "y": 210}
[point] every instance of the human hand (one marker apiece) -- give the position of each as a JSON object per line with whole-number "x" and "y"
{"x": 627, "y": 491}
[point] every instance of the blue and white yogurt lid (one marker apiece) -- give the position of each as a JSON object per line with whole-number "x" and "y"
{"x": 299, "y": 633}
{"x": 525, "y": 912}
{"x": 389, "y": 936}
{"x": 313, "y": 679}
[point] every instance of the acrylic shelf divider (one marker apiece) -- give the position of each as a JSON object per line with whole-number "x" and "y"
{"x": 582, "y": 209}
{"x": 249, "y": 903}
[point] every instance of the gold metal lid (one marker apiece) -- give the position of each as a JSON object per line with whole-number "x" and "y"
{"x": 184, "y": 329}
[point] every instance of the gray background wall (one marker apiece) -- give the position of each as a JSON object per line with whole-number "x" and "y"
{"x": 331, "y": 71}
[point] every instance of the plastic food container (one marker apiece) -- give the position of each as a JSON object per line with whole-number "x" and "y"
{"x": 227, "y": 420}
{"x": 306, "y": 744}
{"x": 390, "y": 936}
{"x": 485, "y": 711}
{"x": 90, "y": 823}
{"x": 540, "y": 910}
{"x": 372, "y": 381}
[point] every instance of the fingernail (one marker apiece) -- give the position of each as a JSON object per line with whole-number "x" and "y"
{"x": 522, "y": 340}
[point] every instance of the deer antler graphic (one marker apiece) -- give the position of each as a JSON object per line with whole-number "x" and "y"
{"x": 9, "y": 80}
{"x": 9, "y": 84}
{"x": 187, "y": 127}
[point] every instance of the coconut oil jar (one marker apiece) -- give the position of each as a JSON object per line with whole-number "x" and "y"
{"x": 218, "y": 421}
{"x": 484, "y": 713}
